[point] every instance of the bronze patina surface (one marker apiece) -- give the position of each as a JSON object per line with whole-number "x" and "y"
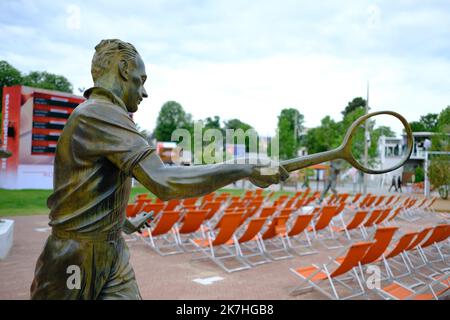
{"x": 98, "y": 152}
{"x": 344, "y": 151}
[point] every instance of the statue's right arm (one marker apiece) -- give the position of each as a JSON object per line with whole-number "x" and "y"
{"x": 176, "y": 182}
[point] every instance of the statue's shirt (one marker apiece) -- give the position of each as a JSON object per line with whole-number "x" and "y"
{"x": 95, "y": 157}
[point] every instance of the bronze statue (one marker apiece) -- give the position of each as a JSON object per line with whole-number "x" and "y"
{"x": 98, "y": 153}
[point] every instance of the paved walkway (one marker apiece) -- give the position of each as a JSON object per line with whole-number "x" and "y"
{"x": 170, "y": 277}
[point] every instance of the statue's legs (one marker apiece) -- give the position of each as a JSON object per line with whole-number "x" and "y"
{"x": 84, "y": 269}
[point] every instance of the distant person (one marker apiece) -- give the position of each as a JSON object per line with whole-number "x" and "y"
{"x": 332, "y": 181}
{"x": 305, "y": 181}
{"x": 393, "y": 184}
{"x": 399, "y": 183}
{"x": 360, "y": 181}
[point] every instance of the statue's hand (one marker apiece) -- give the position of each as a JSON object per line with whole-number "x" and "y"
{"x": 268, "y": 172}
{"x": 138, "y": 222}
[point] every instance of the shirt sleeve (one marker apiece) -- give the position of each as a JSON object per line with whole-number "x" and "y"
{"x": 106, "y": 131}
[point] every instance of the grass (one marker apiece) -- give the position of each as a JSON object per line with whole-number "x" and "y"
{"x": 33, "y": 202}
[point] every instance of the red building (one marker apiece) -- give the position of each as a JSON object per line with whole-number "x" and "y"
{"x": 32, "y": 121}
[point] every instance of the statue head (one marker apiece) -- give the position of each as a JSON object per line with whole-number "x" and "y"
{"x": 118, "y": 67}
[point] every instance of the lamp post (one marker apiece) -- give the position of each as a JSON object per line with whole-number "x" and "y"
{"x": 427, "y": 146}
{"x": 366, "y": 144}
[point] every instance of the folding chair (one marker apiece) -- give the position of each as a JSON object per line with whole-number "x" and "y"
{"x": 370, "y": 222}
{"x": 287, "y": 212}
{"x": 438, "y": 234}
{"x": 131, "y": 210}
{"x": 159, "y": 237}
{"x": 171, "y": 205}
{"x": 190, "y": 225}
{"x": 408, "y": 214}
{"x": 134, "y": 209}
{"x": 327, "y": 213}
{"x": 398, "y": 250}
{"x": 208, "y": 198}
{"x": 215, "y": 247}
{"x": 383, "y": 216}
{"x": 370, "y": 201}
{"x": 379, "y": 201}
{"x": 382, "y": 238}
{"x": 249, "y": 242}
{"x": 355, "y": 223}
{"x": 267, "y": 212}
{"x": 356, "y": 198}
{"x": 315, "y": 275}
{"x": 420, "y": 237}
{"x": 429, "y": 206}
{"x": 437, "y": 289}
{"x": 155, "y": 207}
{"x": 389, "y": 200}
{"x": 299, "y": 228}
{"x": 272, "y": 240}
{"x": 408, "y": 242}
{"x": 212, "y": 208}
{"x": 362, "y": 203}
{"x": 395, "y": 214}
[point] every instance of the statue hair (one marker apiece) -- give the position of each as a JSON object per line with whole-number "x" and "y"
{"x": 110, "y": 51}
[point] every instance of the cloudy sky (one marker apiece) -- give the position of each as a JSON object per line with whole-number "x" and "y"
{"x": 248, "y": 59}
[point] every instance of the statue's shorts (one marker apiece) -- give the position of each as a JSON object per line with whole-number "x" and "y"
{"x": 73, "y": 267}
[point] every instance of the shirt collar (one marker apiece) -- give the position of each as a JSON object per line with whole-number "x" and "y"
{"x": 99, "y": 92}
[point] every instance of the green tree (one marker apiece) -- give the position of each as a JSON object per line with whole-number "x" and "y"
{"x": 430, "y": 121}
{"x": 212, "y": 123}
{"x": 356, "y": 103}
{"x": 9, "y": 76}
{"x": 419, "y": 174}
{"x": 417, "y": 126}
{"x": 439, "y": 169}
{"x": 46, "y": 80}
{"x": 236, "y": 124}
{"x": 171, "y": 117}
{"x": 290, "y": 125}
{"x": 324, "y": 137}
{"x": 439, "y": 173}
{"x": 441, "y": 140}
{"x": 427, "y": 123}
{"x": 330, "y": 135}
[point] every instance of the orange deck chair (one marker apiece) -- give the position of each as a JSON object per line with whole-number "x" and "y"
{"x": 314, "y": 276}
{"x": 384, "y": 215}
{"x": 437, "y": 289}
{"x": 272, "y": 240}
{"x": 161, "y": 237}
{"x": 293, "y": 236}
{"x": 440, "y": 233}
{"x": 355, "y": 223}
{"x": 190, "y": 225}
{"x": 249, "y": 242}
{"x": 212, "y": 208}
{"x": 216, "y": 246}
{"x": 267, "y": 212}
{"x": 382, "y": 238}
{"x": 326, "y": 215}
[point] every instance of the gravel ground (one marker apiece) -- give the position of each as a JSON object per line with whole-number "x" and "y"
{"x": 171, "y": 277}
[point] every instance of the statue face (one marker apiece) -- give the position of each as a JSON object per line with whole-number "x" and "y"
{"x": 134, "y": 86}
